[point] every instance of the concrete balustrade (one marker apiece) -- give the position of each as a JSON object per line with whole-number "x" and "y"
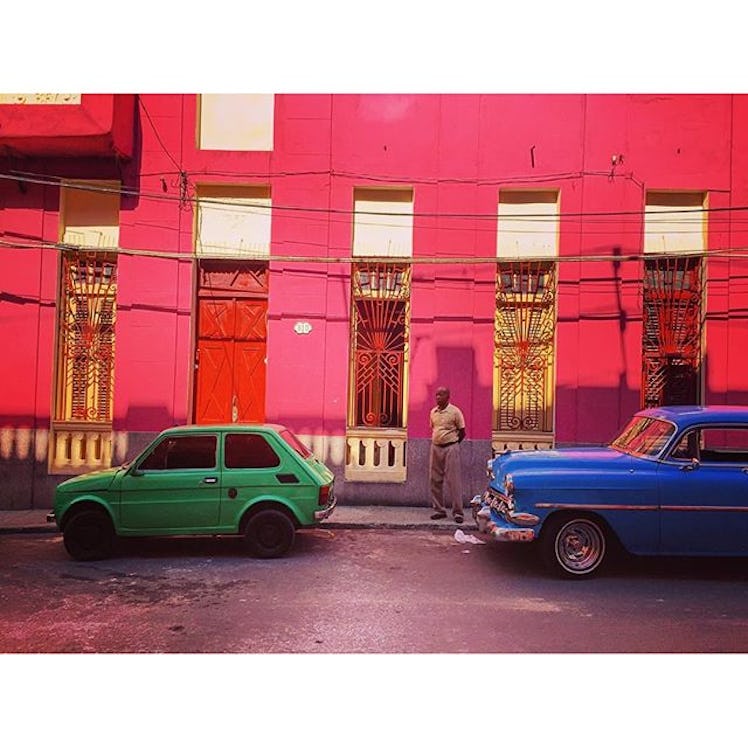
{"x": 376, "y": 456}
{"x": 80, "y": 447}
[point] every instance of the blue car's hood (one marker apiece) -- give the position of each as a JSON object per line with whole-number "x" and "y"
{"x": 554, "y": 461}
{"x": 571, "y": 455}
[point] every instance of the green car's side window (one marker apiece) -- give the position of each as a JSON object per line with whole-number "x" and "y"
{"x": 249, "y": 451}
{"x": 182, "y": 453}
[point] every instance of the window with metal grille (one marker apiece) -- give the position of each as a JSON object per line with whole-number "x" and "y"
{"x": 86, "y": 337}
{"x": 380, "y": 308}
{"x": 672, "y": 323}
{"x": 524, "y": 346}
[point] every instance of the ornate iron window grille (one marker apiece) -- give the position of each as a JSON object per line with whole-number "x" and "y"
{"x": 672, "y": 329}
{"x": 86, "y": 335}
{"x": 380, "y": 309}
{"x": 524, "y": 346}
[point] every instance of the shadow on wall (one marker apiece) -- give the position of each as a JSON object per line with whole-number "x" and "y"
{"x": 597, "y": 412}
{"x": 23, "y": 443}
{"x": 456, "y": 368}
{"x": 134, "y": 432}
{"x": 27, "y": 195}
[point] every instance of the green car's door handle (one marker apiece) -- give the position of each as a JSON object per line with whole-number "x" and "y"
{"x": 210, "y": 479}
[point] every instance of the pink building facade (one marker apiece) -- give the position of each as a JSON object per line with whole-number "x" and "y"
{"x": 568, "y": 259}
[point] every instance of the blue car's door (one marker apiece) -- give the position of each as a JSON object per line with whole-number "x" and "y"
{"x": 704, "y": 495}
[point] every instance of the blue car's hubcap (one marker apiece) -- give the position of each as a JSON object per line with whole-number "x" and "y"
{"x": 580, "y": 546}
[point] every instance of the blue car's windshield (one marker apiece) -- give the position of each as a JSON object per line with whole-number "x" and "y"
{"x": 644, "y": 437}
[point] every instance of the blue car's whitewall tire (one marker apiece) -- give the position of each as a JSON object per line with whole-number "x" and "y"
{"x": 574, "y": 546}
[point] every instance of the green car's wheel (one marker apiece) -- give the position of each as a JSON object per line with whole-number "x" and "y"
{"x": 573, "y": 546}
{"x": 88, "y": 535}
{"x": 269, "y": 533}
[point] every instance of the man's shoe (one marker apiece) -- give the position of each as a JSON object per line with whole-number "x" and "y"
{"x": 438, "y": 515}
{"x": 458, "y": 519}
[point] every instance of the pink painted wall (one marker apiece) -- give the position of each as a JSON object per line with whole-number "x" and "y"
{"x": 456, "y": 152}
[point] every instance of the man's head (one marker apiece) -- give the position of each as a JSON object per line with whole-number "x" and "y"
{"x": 442, "y": 396}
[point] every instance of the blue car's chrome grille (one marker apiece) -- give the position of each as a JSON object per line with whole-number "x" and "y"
{"x": 497, "y": 501}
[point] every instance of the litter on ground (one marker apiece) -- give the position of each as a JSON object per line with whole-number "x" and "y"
{"x": 460, "y": 537}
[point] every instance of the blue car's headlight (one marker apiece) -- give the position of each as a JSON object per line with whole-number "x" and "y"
{"x": 509, "y": 485}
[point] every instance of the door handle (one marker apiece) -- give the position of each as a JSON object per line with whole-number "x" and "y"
{"x": 744, "y": 470}
{"x": 210, "y": 479}
{"x": 690, "y": 466}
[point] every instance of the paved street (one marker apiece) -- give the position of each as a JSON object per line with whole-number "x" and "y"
{"x": 354, "y": 591}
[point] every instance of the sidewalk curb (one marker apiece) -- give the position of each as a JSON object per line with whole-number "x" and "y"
{"x": 432, "y": 526}
{"x": 35, "y": 530}
{"x": 448, "y": 527}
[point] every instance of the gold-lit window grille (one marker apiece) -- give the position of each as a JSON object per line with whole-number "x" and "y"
{"x": 86, "y": 337}
{"x": 672, "y": 331}
{"x": 524, "y": 346}
{"x": 379, "y": 343}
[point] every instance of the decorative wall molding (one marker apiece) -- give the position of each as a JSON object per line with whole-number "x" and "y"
{"x": 520, "y": 440}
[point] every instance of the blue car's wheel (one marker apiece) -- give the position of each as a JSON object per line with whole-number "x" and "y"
{"x": 574, "y": 546}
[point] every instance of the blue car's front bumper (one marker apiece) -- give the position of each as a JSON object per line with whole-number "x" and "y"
{"x": 495, "y": 527}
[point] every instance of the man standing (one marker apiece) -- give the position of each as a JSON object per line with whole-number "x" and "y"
{"x": 447, "y": 431}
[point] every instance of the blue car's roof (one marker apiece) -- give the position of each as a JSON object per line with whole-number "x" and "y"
{"x": 687, "y": 415}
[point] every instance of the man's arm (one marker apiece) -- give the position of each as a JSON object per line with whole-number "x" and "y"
{"x": 460, "y": 425}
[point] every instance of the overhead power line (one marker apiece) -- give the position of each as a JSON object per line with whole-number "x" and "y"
{"x": 716, "y": 254}
{"x": 58, "y": 181}
{"x": 158, "y": 137}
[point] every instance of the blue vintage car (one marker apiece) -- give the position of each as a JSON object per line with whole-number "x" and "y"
{"x": 674, "y": 482}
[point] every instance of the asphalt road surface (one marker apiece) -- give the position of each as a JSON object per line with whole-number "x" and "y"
{"x": 359, "y": 591}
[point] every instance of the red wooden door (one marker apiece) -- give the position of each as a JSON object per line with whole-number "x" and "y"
{"x": 250, "y": 350}
{"x": 231, "y": 351}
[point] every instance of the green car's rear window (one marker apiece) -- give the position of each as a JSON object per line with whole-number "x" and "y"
{"x": 249, "y": 451}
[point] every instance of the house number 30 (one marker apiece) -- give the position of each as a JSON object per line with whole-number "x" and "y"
{"x": 302, "y": 328}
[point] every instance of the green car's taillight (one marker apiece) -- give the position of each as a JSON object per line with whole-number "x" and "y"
{"x": 324, "y": 494}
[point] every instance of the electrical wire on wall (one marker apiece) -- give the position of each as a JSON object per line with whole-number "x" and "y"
{"x": 715, "y": 254}
{"x": 634, "y": 223}
{"x": 29, "y": 178}
{"x": 182, "y": 178}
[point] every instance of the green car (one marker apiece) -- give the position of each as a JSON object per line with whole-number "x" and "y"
{"x": 257, "y": 481}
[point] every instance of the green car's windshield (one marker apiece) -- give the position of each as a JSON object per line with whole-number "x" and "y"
{"x": 293, "y": 441}
{"x": 644, "y": 436}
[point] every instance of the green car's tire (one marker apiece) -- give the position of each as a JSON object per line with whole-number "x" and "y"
{"x": 89, "y": 535}
{"x": 269, "y": 533}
